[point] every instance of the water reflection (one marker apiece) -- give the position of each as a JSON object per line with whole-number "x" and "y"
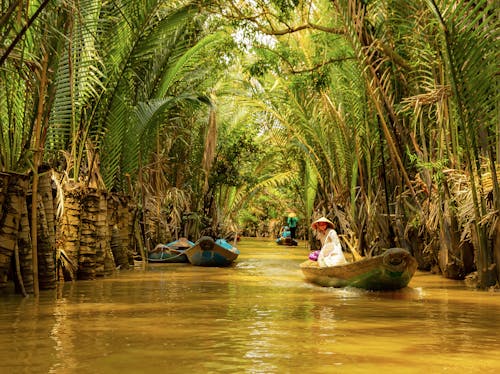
{"x": 258, "y": 316}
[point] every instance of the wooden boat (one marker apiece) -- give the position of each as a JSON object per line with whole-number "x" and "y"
{"x": 170, "y": 252}
{"x": 391, "y": 270}
{"x": 210, "y": 252}
{"x": 285, "y": 237}
{"x": 286, "y": 241}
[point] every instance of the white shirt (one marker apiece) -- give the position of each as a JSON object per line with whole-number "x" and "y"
{"x": 331, "y": 252}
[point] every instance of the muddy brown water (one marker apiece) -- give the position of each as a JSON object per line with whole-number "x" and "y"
{"x": 258, "y": 316}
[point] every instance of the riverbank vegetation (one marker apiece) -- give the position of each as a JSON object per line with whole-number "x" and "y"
{"x": 126, "y": 124}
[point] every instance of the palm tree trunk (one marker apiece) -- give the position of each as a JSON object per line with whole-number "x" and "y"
{"x": 450, "y": 258}
{"x": 101, "y": 228}
{"x": 88, "y": 236}
{"x": 149, "y": 219}
{"x": 132, "y": 249}
{"x": 6, "y": 243}
{"x": 104, "y": 234}
{"x": 125, "y": 230}
{"x": 496, "y": 248}
{"x": 45, "y": 250}
{"x": 25, "y": 245}
{"x": 13, "y": 189}
{"x": 68, "y": 238}
{"x": 45, "y": 190}
{"x": 119, "y": 236}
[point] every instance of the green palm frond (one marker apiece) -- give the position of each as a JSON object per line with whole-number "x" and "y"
{"x": 243, "y": 195}
{"x": 14, "y": 119}
{"x": 311, "y": 188}
{"x": 189, "y": 57}
{"x": 118, "y": 123}
{"x": 469, "y": 43}
{"x": 139, "y": 137}
{"x": 157, "y": 56}
{"x": 28, "y": 35}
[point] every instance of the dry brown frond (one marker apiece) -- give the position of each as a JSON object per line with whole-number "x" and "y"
{"x": 64, "y": 264}
{"x": 435, "y": 95}
{"x": 59, "y": 200}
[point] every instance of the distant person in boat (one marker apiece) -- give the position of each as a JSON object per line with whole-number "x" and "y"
{"x": 292, "y": 221}
{"x": 286, "y": 233}
{"x": 331, "y": 250}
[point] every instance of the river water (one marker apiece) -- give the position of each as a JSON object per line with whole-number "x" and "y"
{"x": 258, "y": 316}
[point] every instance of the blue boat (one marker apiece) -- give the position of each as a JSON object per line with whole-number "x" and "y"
{"x": 209, "y": 252}
{"x": 171, "y": 252}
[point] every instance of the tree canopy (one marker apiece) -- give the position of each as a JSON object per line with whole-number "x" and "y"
{"x": 228, "y": 114}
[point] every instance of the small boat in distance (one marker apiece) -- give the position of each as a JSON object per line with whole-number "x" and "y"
{"x": 209, "y": 252}
{"x": 391, "y": 270}
{"x": 285, "y": 237}
{"x": 286, "y": 241}
{"x": 170, "y": 252}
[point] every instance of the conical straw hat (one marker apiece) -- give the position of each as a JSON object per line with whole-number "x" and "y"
{"x": 329, "y": 223}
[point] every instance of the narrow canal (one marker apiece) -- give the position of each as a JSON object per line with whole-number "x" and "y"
{"x": 258, "y": 316}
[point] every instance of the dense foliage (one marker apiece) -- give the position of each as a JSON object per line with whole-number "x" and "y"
{"x": 229, "y": 114}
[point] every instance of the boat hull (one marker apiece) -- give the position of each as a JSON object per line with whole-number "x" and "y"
{"x": 286, "y": 241}
{"x": 171, "y": 252}
{"x": 390, "y": 271}
{"x": 162, "y": 257}
{"x": 207, "y": 252}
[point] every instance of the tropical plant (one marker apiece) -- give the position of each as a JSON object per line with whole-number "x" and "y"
{"x": 468, "y": 45}
{"x": 359, "y": 110}
{"x": 364, "y": 87}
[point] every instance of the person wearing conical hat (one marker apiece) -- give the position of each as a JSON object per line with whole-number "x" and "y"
{"x": 292, "y": 221}
{"x": 331, "y": 250}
